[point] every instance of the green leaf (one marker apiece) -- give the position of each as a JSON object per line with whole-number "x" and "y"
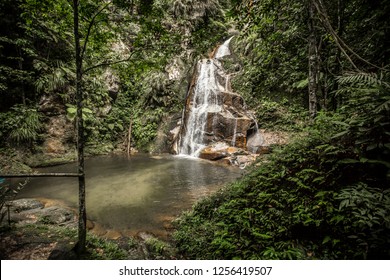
{"x": 71, "y": 110}
{"x": 349, "y": 161}
{"x": 341, "y": 123}
{"x": 87, "y": 111}
{"x": 340, "y": 134}
{"x": 326, "y": 239}
{"x": 301, "y": 84}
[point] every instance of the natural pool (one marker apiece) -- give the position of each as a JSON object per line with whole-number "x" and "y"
{"x": 129, "y": 195}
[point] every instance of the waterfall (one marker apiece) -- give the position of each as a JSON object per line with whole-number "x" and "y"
{"x": 213, "y": 113}
{"x": 204, "y": 101}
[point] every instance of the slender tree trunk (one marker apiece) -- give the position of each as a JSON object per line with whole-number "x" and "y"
{"x": 82, "y": 229}
{"x": 338, "y": 67}
{"x": 129, "y": 138}
{"x": 313, "y": 63}
{"x": 20, "y": 63}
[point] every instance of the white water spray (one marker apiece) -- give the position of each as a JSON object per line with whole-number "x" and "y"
{"x": 204, "y": 102}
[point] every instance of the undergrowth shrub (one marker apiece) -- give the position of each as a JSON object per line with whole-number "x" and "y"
{"x": 282, "y": 115}
{"x": 324, "y": 196}
{"x": 20, "y": 125}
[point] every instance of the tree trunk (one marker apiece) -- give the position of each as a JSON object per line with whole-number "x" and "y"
{"x": 313, "y": 62}
{"x": 338, "y": 67}
{"x": 82, "y": 229}
{"x": 20, "y": 63}
{"x": 129, "y": 139}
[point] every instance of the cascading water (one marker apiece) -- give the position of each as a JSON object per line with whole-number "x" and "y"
{"x": 213, "y": 113}
{"x": 204, "y": 101}
{"x": 234, "y": 134}
{"x": 223, "y": 50}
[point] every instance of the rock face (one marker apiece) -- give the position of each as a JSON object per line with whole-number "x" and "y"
{"x": 60, "y": 131}
{"x": 214, "y": 113}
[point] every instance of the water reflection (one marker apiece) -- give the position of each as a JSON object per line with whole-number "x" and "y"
{"x": 138, "y": 194}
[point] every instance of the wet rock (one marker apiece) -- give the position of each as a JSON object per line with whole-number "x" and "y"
{"x": 25, "y": 204}
{"x": 244, "y": 161}
{"x": 214, "y": 152}
{"x": 255, "y": 142}
{"x": 221, "y": 150}
{"x": 212, "y": 155}
{"x": 55, "y": 215}
{"x": 233, "y": 100}
{"x": 224, "y": 126}
{"x": 167, "y": 134}
{"x": 31, "y": 211}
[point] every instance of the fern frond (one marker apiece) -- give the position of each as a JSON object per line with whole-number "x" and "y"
{"x": 361, "y": 79}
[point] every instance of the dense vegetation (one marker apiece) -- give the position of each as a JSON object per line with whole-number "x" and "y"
{"x": 128, "y": 48}
{"x": 326, "y": 195}
{"x": 318, "y": 69}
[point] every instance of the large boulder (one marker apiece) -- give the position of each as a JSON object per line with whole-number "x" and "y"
{"x": 224, "y": 126}
{"x": 220, "y": 150}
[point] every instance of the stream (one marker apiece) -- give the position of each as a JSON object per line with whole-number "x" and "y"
{"x": 129, "y": 195}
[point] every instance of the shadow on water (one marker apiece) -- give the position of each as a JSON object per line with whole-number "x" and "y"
{"x": 142, "y": 193}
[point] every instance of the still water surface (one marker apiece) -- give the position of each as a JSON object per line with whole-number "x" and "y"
{"x": 138, "y": 194}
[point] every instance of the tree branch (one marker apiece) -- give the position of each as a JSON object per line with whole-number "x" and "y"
{"x": 323, "y": 16}
{"x": 91, "y": 23}
{"x": 107, "y": 63}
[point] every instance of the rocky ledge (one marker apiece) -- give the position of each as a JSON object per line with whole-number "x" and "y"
{"x": 222, "y": 152}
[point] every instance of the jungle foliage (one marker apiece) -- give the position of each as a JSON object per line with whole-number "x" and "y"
{"x": 127, "y": 47}
{"x": 326, "y": 194}
{"x": 273, "y": 46}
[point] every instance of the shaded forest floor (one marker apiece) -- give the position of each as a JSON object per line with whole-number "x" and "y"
{"x": 34, "y": 243}
{"x": 39, "y": 231}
